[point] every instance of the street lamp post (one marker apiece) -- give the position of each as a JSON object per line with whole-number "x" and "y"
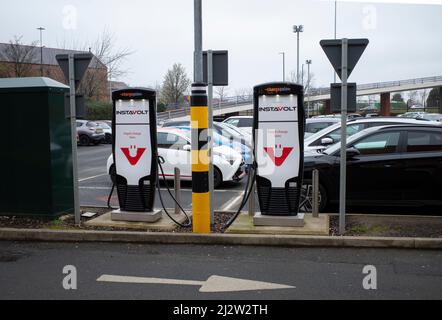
{"x": 298, "y": 30}
{"x": 41, "y": 49}
{"x": 283, "y": 66}
{"x": 309, "y": 62}
{"x": 336, "y": 21}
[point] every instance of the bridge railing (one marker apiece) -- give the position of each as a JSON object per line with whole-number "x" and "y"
{"x": 226, "y": 103}
{"x": 230, "y": 102}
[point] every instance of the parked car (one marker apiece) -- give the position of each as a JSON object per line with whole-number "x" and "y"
{"x": 238, "y": 146}
{"x": 331, "y": 135}
{"x": 174, "y": 145}
{"x": 413, "y": 115}
{"x": 90, "y": 132}
{"x": 236, "y": 133}
{"x": 397, "y": 165}
{"x": 223, "y": 135}
{"x": 243, "y": 122}
{"x": 224, "y": 129}
{"x": 314, "y": 125}
{"x": 107, "y": 129}
{"x": 430, "y": 116}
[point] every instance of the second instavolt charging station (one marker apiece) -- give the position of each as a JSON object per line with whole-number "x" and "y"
{"x": 135, "y": 154}
{"x": 279, "y": 122}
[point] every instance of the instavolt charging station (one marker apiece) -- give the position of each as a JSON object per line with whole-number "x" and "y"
{"x": 279, "y": 122}
{"x": 135, "y": 154}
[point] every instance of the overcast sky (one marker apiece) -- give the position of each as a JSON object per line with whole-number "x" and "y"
{"x": 405, "y": 40}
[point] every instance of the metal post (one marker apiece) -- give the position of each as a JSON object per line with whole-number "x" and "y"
{"x": 336, "y": 16}
{"x": 308, "y": 88}
{"x": 315, "y": 185}
{"x": 177, "y": 186}
{"x": 198, "y": 63}
{"x": 210, "y": 105}
{"x": 200, "y": 159}
{"x": 252, "y": 202}
{"x": 343, "y": 186}
{"x": 283, "y": 66}
{"x": 297, "y": 59}
{"x": 74, "y": 138}
{"x": 41, "y": 49}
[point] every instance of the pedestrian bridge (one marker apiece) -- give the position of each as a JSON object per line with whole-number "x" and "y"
{"x": 244, "y": 103}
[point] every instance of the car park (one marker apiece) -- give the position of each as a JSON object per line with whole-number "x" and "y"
{"x": 174, "y": 146}
{"x": 397, "y": 165}
{"x": 331, "y": 135}
{"x": 90, "y": 132}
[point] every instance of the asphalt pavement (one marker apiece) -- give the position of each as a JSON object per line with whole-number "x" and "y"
{"x": 178, "y": 272}
{"x": 95, "y": 184}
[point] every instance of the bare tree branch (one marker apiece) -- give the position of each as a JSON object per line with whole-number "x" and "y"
{"x": 21, "y": 56}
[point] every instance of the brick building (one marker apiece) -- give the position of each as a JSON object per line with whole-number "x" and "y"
{"x": 25, "y": 61}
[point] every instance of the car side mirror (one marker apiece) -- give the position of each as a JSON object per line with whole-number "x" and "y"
{"x": 352, "y": 152}
{"x": 187, "y": 147}
{"x": 327, "y": 141}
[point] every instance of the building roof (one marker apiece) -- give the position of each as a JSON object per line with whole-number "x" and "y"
{"x": 49, "y": 55}
{"x": 30, "y": 82}
{"x": 118, "y": 85}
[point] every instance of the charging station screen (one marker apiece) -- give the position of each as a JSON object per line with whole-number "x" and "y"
{"x": 133, "y": 154}
{"x": 277, "y": 141}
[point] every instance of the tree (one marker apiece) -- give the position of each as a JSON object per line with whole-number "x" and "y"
{"x": 21, "y": 56}
{"x": 307, "y": 81}
{"x": 108, "y": 56}
{"x": 175, "y": 84}
{"x": 412, "y": 97}
{"x": 433, "y": 100}
{"x": 222, "y": 92}
{"x": 423, "y": 95}
{"x": 397, "y": 97}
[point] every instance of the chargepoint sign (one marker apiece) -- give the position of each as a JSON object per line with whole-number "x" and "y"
{"x": 132, "y": 143}
{"x": 278, "y": 145}
{"x": 279, "y": 135}
{"x": 135, "y": 148}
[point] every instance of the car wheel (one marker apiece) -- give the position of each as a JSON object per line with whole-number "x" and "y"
{"x": 85, "y": 140}
{"x": 306, "y": 202}
{"x": 108, "y": 138}
{"x": 113, "y": 174}
{"x": 217, "y": 177}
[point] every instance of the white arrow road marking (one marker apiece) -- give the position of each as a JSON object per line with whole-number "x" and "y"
{"x": 213, "y": 284}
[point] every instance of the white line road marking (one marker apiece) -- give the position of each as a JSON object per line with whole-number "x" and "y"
{"x": 162, "y": 189}
{"x": 229, "y": 205}
{"x": 90, "y": 178}
{"x": 213, "y": 284}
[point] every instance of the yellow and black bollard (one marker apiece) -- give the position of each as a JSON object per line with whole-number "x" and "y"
{"x": 199, "y": 113}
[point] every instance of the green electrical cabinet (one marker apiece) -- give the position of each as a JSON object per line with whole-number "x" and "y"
{"x": 35, "y": 148}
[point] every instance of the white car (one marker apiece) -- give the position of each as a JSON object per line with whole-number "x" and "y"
{"x": 331, "y": 135}
{"x": 242, "y": 122}
{"x": 174, "y": 145}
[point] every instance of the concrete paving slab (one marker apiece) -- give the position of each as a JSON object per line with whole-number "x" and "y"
{"x": 279, "y": 221}
{"x": 313, "y": 226}
{"x": 164, "y": 224}
{"x": 149, "y": 217}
